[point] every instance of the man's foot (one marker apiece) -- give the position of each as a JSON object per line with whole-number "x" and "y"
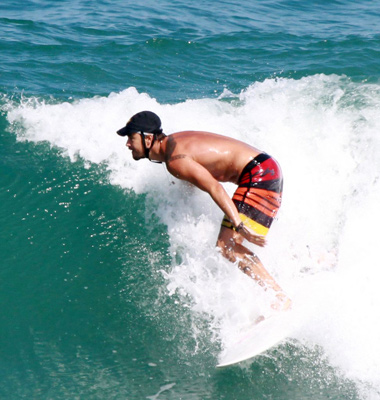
{"x": 282, "y": 303}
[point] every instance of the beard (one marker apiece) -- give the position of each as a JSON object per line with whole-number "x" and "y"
{"x": 137, "y": 157}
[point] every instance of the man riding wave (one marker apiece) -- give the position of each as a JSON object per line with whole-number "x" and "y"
{"x": 205, "y": 159}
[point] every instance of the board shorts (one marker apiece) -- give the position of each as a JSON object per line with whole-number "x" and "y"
{"x": 258, "y": 196}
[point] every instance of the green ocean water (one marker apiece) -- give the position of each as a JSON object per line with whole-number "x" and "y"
{"x": 110, "y": 287}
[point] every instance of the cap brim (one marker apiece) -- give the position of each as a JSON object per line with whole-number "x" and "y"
{"x": 123, "y": 131}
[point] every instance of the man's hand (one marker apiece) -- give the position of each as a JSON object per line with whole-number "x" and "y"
{"x": 252, "y": 237}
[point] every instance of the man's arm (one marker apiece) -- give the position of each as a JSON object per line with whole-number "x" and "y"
{"x": 187, "y": 169}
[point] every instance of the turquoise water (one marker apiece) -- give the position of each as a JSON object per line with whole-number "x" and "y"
{"x": 111, "y": 287}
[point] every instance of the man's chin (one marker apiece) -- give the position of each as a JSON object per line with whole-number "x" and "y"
{"x": 136, "y": 158}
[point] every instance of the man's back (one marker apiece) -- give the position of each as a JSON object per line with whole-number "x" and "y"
{"x": 222, "y": 156}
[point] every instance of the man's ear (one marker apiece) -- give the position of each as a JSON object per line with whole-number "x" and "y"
{"x": 148, "y": 140}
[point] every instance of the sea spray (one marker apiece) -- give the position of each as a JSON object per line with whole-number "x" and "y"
{"x": 322, "y": 249}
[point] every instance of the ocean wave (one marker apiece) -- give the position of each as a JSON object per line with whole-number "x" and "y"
{"x": 324, "y": 132}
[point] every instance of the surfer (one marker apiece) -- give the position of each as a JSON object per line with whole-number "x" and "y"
{"x": 205, "y": 159}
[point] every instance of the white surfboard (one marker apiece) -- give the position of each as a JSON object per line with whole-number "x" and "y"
{"x": 258, "y": 339}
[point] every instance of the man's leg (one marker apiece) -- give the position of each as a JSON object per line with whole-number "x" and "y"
{"x": 230, "y": 243}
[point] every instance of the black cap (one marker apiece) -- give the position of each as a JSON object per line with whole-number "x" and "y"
{"x": 144, "y": 121}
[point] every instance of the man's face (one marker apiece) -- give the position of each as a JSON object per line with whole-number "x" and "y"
{"x": 135, "y": 144}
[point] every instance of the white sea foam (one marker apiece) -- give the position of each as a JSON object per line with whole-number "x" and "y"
{"x": 323, "y": 249}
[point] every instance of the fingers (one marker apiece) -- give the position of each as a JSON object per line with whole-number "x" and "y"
{"x": 259, "y": 240}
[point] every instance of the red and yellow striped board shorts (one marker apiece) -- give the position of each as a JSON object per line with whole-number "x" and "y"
{"x": 258, "y": 196}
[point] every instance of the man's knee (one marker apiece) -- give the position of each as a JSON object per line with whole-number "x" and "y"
{"x": 227, "y": 248}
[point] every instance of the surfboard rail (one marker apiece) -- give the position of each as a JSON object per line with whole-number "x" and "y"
{"x": 256, "y": 340}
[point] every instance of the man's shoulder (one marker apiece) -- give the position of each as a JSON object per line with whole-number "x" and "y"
{"x": 177, "y": 146}
{"x": 176, "y": 157}
{"x": 182, "y": 135}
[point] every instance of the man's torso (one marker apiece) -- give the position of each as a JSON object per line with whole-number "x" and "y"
{"x": 222, "y": 156}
